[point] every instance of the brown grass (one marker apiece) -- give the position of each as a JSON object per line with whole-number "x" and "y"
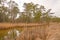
{"x": 41, "y": 33}
{"x": 12, "y": 25}
{"x": 35, "y": 31}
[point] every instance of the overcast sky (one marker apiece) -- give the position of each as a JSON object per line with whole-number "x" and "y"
{"x": 49, "y": 4}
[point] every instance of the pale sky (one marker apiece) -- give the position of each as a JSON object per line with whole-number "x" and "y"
{"x": 49, "y": 4}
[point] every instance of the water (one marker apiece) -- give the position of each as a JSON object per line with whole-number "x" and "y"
{"x": 6, "y": 34}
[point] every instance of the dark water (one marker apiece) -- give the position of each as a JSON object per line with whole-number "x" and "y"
{"x": 9, "y": 33}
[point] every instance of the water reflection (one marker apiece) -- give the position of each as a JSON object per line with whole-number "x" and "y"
{"x": 15, "y": 31}
{"x": 12, "y": 34}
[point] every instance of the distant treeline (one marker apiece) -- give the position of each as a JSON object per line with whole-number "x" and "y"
{"x": 31, "y": 13}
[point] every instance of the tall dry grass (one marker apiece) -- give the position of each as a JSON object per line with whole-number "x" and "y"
{"x": 41, "y": 33}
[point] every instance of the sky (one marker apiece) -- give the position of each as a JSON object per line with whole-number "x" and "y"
{"x": 49, "y": 4}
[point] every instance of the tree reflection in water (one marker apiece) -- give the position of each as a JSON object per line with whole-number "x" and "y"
{"x": 12, "y": 34}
